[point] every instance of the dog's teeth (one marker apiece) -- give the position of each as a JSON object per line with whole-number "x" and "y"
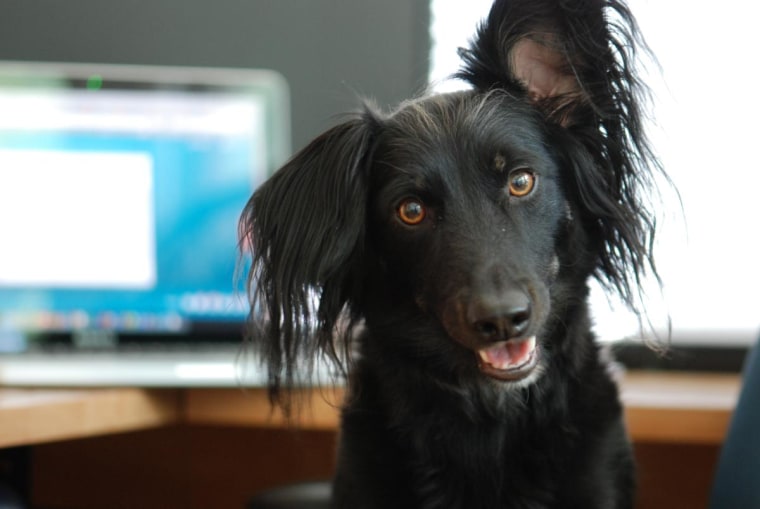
{"x": 485, "y": 355}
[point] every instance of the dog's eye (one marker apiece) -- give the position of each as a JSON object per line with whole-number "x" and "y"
{"x": 521, "y": 183}
{"x": 411, "y": 211}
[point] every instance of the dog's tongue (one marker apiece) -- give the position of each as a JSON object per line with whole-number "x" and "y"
{"x": 508, "y": 354}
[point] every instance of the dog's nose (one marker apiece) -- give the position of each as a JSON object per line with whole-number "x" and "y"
{"x": 502, "y": 317}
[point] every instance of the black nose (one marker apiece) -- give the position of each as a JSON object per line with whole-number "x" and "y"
{"x": 500, "y": 317}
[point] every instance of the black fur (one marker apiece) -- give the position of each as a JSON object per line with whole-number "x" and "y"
{"x": 449, "y": 406}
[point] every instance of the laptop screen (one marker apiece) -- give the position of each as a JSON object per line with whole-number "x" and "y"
{"x": 120, "y": 191}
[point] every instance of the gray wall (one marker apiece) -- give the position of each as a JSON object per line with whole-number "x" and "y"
{"x": 330, "y": 51}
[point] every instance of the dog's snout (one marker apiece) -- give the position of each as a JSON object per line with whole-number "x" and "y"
{"x": 500, "y": 317}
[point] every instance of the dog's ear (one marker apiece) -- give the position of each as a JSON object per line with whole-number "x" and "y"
{"x": 574, "y": 61}
{"x": 566, "y": 57}
{"x": 304, "y": 227}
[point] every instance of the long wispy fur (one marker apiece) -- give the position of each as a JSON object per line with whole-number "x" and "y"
{"x": 306, "y": 241}
{"x": 438, "y": 256}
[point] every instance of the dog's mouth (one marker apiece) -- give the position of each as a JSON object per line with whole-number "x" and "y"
{"x": 510, "y": 360}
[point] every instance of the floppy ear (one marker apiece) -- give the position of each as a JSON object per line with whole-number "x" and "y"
{"x": 574, "y": 62}
{"x": 305, "y": 228}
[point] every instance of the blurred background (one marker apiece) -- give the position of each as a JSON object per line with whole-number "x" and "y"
{"x": 330, "y": 51}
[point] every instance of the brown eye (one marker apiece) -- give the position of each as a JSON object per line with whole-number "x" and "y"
{"x": 521, "y": 183}
{"x": 411, "y": 211}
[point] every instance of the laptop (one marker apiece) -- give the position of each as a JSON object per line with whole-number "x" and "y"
{"x": 120, "y": 192}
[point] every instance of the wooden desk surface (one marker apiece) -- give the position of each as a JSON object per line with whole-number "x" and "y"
{"x": 660, "y": 407}
{"x": 679, "y": 407}
{"x": 668, "y": 407}
{"x": 32, "y": 416}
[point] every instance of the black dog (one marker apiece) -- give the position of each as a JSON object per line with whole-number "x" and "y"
{"x": 441, "y": 255}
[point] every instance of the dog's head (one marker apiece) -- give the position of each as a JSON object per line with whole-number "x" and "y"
{"x": 466, "y": 206}
{"x": 453, "y": 225}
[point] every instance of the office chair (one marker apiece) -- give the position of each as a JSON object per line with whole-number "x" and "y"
{"x": 307, "y": 495}
{"x": 737, "y": 478}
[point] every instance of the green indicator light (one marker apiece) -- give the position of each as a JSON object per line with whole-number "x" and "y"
{"x": 95, "y": 82}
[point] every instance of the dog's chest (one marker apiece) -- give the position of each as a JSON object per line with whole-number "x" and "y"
{"x": 482, "y": 468}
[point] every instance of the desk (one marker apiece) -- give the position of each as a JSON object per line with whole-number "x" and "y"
{"x": 660, "y": 407}
{"x": 32, "y": 416}
{"x": 194, "y": 448}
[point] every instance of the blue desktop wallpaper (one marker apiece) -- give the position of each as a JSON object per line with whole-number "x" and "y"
{"x": 201, "y": 184}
